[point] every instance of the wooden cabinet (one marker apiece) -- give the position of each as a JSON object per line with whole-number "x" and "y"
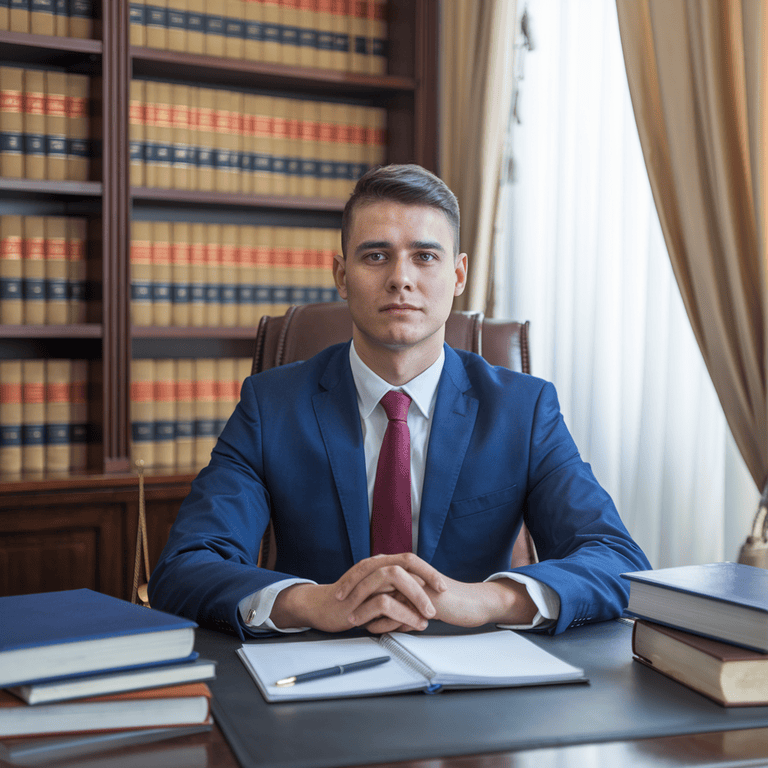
{"x": 78, "y": 530}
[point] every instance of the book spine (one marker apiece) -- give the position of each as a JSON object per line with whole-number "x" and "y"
{"x": 214, "y": 28}
{"x": 262, "y": 255}
{"x": 309, "y": 140}
{"x": 5, "y": 20}
{"x": 33, "y": 416}
{"x": 165, "y": 413}
{"x": 280, "y": 146}
{"x": 246, "y": 307}
{"x": 379, "y": 37}
{"x": 289, "y": 32}
{"x": 234, "y": 29}
{"x": 11, "y": 270}
{"x": 263, "y": 150}
{"x": 79, "y": 146}
{"x": 341, "y": 46}
{"x": 196, "y": 26}
{"x": 33, "y": 270}
{"x": 19, "y": 15}
{"x": 185, "y": 413}
{"x": 35, "y": 166}
{"x": 11, "y": 122}
{"x": 10, "y": 417}
{"x": 183, "y": 169}
{"x": 77, "y": 240}
{"x": 136, "y": 132}
{"x": 358, "y": 33}
{"x": 41, "y": 17}
{"x": 81, "y": 18}
{"x": 213, "y": 275}
{"x": 205, "y": 410}
{"x": 78, "y": 434}
{"x": 138, "y": 22}
{"x": 157, "y": 24}
{"x": 162, "y": 274}
{"x": 163, "y": 152}
{"x": 58, "y": 415}
{"x": 198, "y": 275}
{"x": 223, "y": 142}
{"x": 56, "y": 124}
{"x": 56, "y": 271}
{"x": 207, "y": 139}
{"x": 271, "y": 31}
{"x": 229, "y": 276}
{"x": 141, "y": 272}
{"x": 308, "y": 32}
{"x": 143, "y": 411}
{"x": 324, "y": 41}
{"x": 180, "y": 266}
{"x": 177, "y": 25}
{"x": 253, "y": 17}
{"x": 281, "y": 270}
{"x": 61, "y": 22}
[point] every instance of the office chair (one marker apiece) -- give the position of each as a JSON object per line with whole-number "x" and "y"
{"x": 305, "y": 330}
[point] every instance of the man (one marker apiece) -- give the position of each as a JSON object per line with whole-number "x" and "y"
{"x": 485, "y": 448}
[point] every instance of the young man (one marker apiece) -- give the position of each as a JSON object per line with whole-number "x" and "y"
{"x": 486, "y": 446}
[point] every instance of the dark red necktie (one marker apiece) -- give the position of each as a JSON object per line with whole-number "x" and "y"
{"x": 391, "y": 516}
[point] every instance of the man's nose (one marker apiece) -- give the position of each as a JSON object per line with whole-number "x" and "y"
{"x": 400, "y": 276}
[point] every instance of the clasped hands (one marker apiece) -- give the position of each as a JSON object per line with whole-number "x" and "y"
{"x": 400, "y": 592}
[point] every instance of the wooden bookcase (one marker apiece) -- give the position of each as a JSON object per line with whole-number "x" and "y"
{"x": 79, "y": 531}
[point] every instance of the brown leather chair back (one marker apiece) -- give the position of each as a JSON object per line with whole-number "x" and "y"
{"x": 305, "y": 330}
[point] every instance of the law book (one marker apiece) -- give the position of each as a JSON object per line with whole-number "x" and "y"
{"x": 206, "y": 139}
{"x": 33, "y": 422}
{"x": 725, "y": 673}
{"x": 247, "y": 141}
{"x": 177, "y": 25}
{"x": 185, "y": 413}
{"x": 205, "y": 410}
{"x": 61, "y": 22}
{"x": 230, "y": 278}
{"x": 162, "y": 159}
{"x": 58, "y": 416}
{"x": 19, "y": 15}
{"x": 79, "y": 149}
{"x": 35, "y": 166}
{"x": 214, "y": 28}
{"x": 331, "y": 245}
{"x": 262, "y": 255}
{"x": 181, "y": 157}
{"x": 156, "y": 24}
{"x": 158, "y": 707}
{"x": 180, "y": 273}
{"x": 198, "y": 275}
{"x": 141, "y": 272}
{"x": 290, "y": 20}
{"x": 162, "y": 274}
{"x": 234, "y": 29}
{"x": 143, "y": 411}
{"x": 41, "y": 17}
{"x": 11, "y": 417}
{"x": 342, "y": 174}
{"x": 342, "y": 45}
{"x": 11, "y": 122}
{"x": 309, "y": 140}
{"x": 723, "y": 601}
{"x": 33, "y": 269}
{"x": 376, "y": 136}
{"x": 136, "y": 121}
{"x": 56, "y": 124}
{"x": 195, "y": 26}
{"x": 226, "y": 140}
{"x": 377, "y": 27}
{"x": 281, "y": 273}
{"x": 280, "y": 145}
{"x": 324, "y": 30}
{"x": 246, "y": 289}
{"x": 308, "y": 32}
{"x": 56, "y": 271}
{"x": 293, "y": 153}
{"x": 5, "y": 15}
{"x": 326, "y": 149}
{"x": 253, "y": 18}
{"x": 262, "y": 149}
{"x": 213, "y": 275}
{"x": 81, "y": 18}
{"x": 138, "y": 24}
{"x": 78, "y": 433}
{"x": 272, "y": 31}
{"x": 500, "y": 658}
{"x": 11, "y": 270}
{"x": 358, "y": 35}
{"x": 165, "y": 413}
{"x": 77, "y": 241}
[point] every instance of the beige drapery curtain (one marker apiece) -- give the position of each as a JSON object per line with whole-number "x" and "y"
{"x": 476, "y": 85}
{"x": 699, "y": 85}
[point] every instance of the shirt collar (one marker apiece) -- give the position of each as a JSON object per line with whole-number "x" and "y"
{"x": 371, "y": 387}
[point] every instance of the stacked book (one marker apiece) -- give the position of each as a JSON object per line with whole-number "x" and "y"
{"x": 705, "y": 626}
{"x": 63, "y": 18}
{"x": 78, "y": 661}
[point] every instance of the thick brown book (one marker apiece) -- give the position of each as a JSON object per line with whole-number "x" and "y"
{"x": 11, "y": 270}
{"x": 180, "y": 273}
{"x": 728, "y": 674}
{"x": 11, "y": 122}
{"x": 79, "y": 149}
{"x": 33, "y": 416}
{"x": 198, "y": 275}
{"x": 162, "y": 274}
{"x": 141, "y": 272}
{"x": 58, "y": 415}
{"x": 185, "y": 413}
{"x": 138, "y": 28}
{"x": 205, "y": 410}
{"x": 165, "y": 413}
{"x": 56, "y": 271}
{"x": 11, "y": 417}
{"x": 56, "y": 124}
{"x": 41, "y": 17}
{"x": 213, "y": 275}
{"x": 78, "y": 397}
{"x": 33, "y": 269}
{"x": 157, "y": 24}
{"x": 136, "y": 112}
{"x": 35, "y": 166}
{"x": 230, "y": 278}
{"x": 177, "y": 25}
{"x": 253, "y": 18}
{"x": 143, "y": 412}
{"x": 77, "y": 247}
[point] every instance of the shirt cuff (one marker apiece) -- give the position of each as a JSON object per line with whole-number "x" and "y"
{"x": 256, "y": 607}
{"x": 546, "y": 600}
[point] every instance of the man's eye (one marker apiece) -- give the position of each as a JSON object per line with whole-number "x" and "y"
{"x": 426, "y": 257}
{"x": 375, "y": 257}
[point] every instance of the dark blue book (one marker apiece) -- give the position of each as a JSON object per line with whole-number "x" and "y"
{"x": 723, "y": 601}
{"x": 73, "y": 632}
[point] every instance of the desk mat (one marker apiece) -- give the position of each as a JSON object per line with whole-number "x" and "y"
{"x": 623, "y": 700}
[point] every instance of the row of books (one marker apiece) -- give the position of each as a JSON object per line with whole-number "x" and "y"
{"x": 705, "y": 626}
{"x": 63, "y": 18}
{"x": 347, "y": 35}
{"x": 189, "y": 137}
{"x": 45, "y": 126}
{"x": 42, "y": 270}
{"x": 180, "y": 406}
{"x": 43, "y": 416}
{"x": 78, "y": 661}
{"x": 212, "y": 275}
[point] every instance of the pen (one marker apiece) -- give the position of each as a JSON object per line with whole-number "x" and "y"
{"x": 339, "y": 669}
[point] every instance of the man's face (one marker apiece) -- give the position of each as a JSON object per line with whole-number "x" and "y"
{"x": 399, "y": 277}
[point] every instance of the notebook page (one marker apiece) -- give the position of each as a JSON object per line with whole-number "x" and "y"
{"x": 502, "y": 657}
{"x": 270, "y": 662}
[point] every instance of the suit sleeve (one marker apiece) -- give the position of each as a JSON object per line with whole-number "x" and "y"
{"x": 583, "y": 546}
{"x": 209, "y": 562}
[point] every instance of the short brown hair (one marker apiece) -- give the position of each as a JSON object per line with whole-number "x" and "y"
{"x": 407, "y": 184}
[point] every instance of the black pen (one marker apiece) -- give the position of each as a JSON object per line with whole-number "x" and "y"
{"x": 339, "y": 669}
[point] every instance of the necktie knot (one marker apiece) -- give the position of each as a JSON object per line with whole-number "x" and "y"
{"x": 396, "y": 405}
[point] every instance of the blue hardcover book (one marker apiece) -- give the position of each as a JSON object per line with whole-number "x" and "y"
{"x": 724, "y": 601}
{"x": 59, "y": 634}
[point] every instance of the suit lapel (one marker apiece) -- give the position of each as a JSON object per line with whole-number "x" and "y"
{"x": 339, "y": 420}
{"x": 452, "y": 425}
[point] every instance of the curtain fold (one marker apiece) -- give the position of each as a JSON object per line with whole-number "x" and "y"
{"x": 476, "y": 84}
{"x": 697, "y": 75}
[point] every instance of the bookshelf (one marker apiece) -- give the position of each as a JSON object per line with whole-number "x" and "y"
{"x": 77, "y": 528}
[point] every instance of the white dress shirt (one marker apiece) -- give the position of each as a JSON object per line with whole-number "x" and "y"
{"x": 256, "y": 608}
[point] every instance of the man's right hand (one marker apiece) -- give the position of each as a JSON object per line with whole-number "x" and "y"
{"x": 384, "y": 593}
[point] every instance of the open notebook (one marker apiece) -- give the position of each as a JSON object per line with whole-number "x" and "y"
{"x": 417, "y": 662}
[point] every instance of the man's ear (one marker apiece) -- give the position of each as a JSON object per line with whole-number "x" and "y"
{"x": 461, "y": 274}
{"x": 340, "y": 275}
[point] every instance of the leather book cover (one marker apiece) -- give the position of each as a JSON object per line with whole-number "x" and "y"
{"x": 359, "y": 135}
{"x": 183, "y": 170}
{"x": 340, "y": 59}
{"x": 11, "y": 122}
{"x": 77, "y": 241}
{"x": 326, "y": 149}
{"x": 41, "y": 17}
{"x": 78, "y": 435}
{"x": 156, "y": 17}
{"x": 33, "y": 416}
{"x": 177, "y": 25}
{"x": 81, "y": 18}
{"x": 214, "y": 28}
{"x": 308, "y": 32}
{"x": 5, "y": 15}
{"x": 136, "y": 132}
{"x": 342, "y": 173}
{"x": 185, "y": 413}
{"x": 290, "y": 22}
{"x": 61, "y": 18}
{"x": 213, "y": 275}
{"x": 324, "y": 31}
{"x": 11, "y": 270}
{"x": 263, "y": 148}
{"x": 56, "y": 124}
{"x": 281, "y": 269}
{"x": 18, "y": 14}
{"x": 247, "y": 143}
{"x": 196, "y": 26}
{"x": 246, "y": 293}
{"x": 207, "y": 139}
{"x": 33, "y": 269}
{"x": 198, "y": 275}
{"x": 163, "y": 154}
{"x": 223, "y": 141}
{"x": 293, "y": 170}
{"x": 358, "y": 35}
{"x": 79, "y": 149}
{"x": 234, "y": 29}
{"x": 310, "y": 147}
{"x": 35, "y": 166}
{"x": 10, "y": 417}
{"x": 379, "y": 33}
{"x": 165, "y": 413}
{"x": 281, "y": 144}
{"x": 180, "y": 273}
{"x": 138, "y": 23}
{"x": 58, "y": 414}
{"x": 253, "y": 17}
{"x": 205, "y": 410}
{"x": 56, "y": 271}
{"x": 143, "y": 411}
{"x": 271, "y": 31}
{"x": 141, "y": 272}
{"x": 229, "y": 274}
{"x": 262, "y": 256}
{"x": 162, "y": 273}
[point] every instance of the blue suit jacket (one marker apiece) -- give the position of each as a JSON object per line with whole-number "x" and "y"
{"x": 499, "y": 452}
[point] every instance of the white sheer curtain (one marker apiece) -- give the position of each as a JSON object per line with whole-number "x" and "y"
{"x": 584, "y": 260}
